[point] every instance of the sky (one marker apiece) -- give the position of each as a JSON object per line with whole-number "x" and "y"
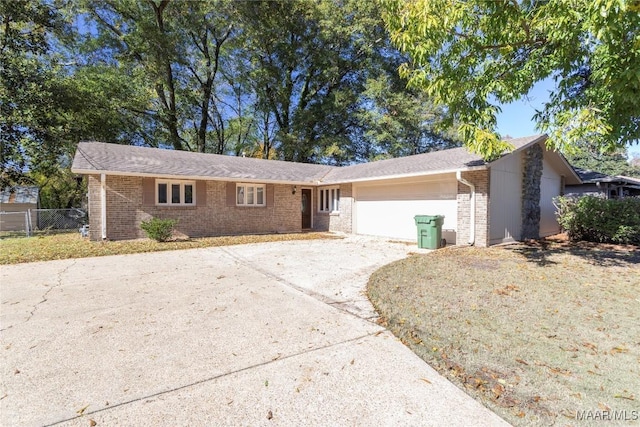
{"x": 516, "y": 118}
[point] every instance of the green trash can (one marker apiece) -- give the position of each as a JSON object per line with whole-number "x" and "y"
{"x": 429, "y": 231}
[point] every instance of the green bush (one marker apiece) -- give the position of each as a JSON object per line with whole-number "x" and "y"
{"x": 596, "y": 219}
{"x": 159, "y": 229}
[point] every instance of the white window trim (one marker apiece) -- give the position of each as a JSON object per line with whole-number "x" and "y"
{"x": 332, "y": 194}
{"x": 255, "y": 187}
{"x": 182, "y": 184}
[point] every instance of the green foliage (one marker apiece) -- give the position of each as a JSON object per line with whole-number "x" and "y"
{"x": 158, "y": 229}
{"x": 596, "y": 219}
{"x": 60, "y": 189}
{"x": 47, "y": 104}
{"x": 311, "y": 81}
{"x": 610, "y": 164}
{"x": 401, "y": 122}
{"x": 309, "y": 65}
{"x": 471, "y": 56}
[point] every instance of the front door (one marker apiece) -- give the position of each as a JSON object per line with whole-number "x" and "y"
{"x": 306, "y": 208}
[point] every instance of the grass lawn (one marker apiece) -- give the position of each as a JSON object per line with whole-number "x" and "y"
{"x": 15, "y": 250}
{"x": 546, "y": 333}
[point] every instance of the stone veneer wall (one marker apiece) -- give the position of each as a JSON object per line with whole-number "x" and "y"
{"x": 340, "y": 222}
{"x": 125, "y": 211}
{"x": 480, "y": 179}
{"x": 531, "y": 180}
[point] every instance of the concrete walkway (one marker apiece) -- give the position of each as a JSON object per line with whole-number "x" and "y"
{"x": 258, "y": 335}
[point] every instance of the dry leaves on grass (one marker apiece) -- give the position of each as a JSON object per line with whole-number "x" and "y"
{"x": 72, "y": 245}
{"x": 517, "y": 327}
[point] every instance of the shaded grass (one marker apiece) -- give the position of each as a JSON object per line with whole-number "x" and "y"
{"x": 72, "y": 245}
{"x": 537, "y": 332}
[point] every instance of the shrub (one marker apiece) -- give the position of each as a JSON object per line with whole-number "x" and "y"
{"x": 159, "y": 229}
{"x": 596, "y": 219}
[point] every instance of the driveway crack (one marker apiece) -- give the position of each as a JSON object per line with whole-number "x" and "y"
{"x": 215, "y": 377}
{"x": 337, "y": 304}
{"x": 49, "y": 289}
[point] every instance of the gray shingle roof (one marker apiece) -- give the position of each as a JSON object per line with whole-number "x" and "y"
{"x": 421, "y": 164}
{"x": 592, "y": 177}
{"x": 97, "y": 157}
{"x": 19, "y": 194}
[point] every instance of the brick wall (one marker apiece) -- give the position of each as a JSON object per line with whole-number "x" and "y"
{"x": 340, "y": 221}
{"x": 481, "y": 181}
{"x": 125, "y": 211}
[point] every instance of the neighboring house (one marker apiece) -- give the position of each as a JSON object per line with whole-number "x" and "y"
{"x": 611, "y": 187}
{"x": 483, "y": 203}
{"x": 16, "y": 204}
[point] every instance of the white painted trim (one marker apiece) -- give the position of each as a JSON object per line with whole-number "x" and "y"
{"x": 192, "y": 178}
{"x": 182, "y": 184}
{"x": 405, "y": 175}
{"x": 103, "y": 205}
{"x": 255, "y": 195}
{"x": 275, "y": 181}
{"x": 472, "y": 208}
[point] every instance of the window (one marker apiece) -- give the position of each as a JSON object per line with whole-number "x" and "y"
{"x": 175, "y": 193}
{"x": 329, "y": 199}
{"x": 250, "y": 195}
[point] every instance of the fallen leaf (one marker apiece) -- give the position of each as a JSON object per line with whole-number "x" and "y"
{"x": 92, "y": 423}
{"x": 603, "y": 406}
{"x": 521, "y": 361}
{"x": 622, "y": 396}
{"x": 497, "y": 390}
{"x": 269, "y": 415}
{"x": 81, "y": 410}
{"x": 619, "y": 349}
{"x": 426, "y": 380}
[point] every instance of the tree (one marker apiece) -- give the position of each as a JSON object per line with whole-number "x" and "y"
{"x": 29, "y": 123}
{"x": 402, "y": 122}
{"x": 308, "y": 66}
{"x": 472, "y": 55}
{"x": 608, "y": 163}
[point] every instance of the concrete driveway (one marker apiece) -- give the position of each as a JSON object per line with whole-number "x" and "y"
{"x": 258, "y": 335}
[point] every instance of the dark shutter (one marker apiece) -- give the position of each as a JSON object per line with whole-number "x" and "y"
{"x": 231, "y": 194}
{"x": 201, "y": 193}
{"x": 148, "y": 191}
{"x": 270, "y": 196}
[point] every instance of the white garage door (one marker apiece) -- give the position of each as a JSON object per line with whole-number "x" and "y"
{"x": 388, "y": 209}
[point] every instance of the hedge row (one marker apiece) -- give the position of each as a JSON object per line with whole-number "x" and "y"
{"x": 596, "y": 219}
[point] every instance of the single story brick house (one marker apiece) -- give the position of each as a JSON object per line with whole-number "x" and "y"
{"x": 483, "y": 203}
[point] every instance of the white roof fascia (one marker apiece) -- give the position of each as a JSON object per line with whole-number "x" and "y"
{"x": 190, "y": 178}
{"x": 405, "y": 175}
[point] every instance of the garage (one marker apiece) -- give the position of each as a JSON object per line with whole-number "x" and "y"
{"x": 386, "y": 208}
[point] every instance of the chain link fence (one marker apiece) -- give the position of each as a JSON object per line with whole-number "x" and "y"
{"x": 33, "y": 221}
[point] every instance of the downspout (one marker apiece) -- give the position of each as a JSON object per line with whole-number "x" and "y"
{"x": 103, "y": 205}
{"x": 472, "y": 219}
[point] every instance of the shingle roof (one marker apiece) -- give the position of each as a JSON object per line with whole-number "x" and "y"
{"x": 19, "y": 194}
{"x": 591, "y": 177}
{"x": 97, "y": 157}
{"x": 421, "y": 164}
